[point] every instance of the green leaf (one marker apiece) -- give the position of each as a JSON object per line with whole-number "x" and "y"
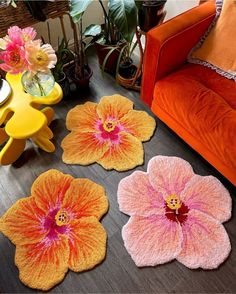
{"x": 139, "y": 3}
{"x": 92, "y": 30}
{"x": 77, "y": 8}
{"x": 124, "y": 14}
{"x": 106, "y": 58}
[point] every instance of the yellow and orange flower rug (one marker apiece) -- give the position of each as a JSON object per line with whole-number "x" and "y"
{"x": 109, "y": 133}
{"x": 57, "y": 228}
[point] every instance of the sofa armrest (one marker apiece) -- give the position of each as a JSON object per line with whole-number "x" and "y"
{"x": 168, "y": 45}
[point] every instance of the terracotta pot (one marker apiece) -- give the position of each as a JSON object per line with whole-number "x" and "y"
{"x": 150, "y": 14}
{"x": 81, "y": 83}
{"x": 102, "y": 50}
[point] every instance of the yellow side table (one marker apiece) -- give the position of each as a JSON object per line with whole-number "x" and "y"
{"x": 23, "y": 119}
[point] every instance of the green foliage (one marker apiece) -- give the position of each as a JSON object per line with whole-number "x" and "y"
{"x": 92, "y": 30}
{"x": 63, "y": 56}
{"x": 77, "y": 8}
{"x": 124, "y": 15}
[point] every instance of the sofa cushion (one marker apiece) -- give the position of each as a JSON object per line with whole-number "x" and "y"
{"x": 204, "y": 103}
{"x": 217, "y": 48}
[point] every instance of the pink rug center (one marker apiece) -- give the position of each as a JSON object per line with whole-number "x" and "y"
{"x": 56, "y": 222}
{"x": 109, "y": 130}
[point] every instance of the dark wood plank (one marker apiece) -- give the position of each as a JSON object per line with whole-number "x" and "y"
{"x": 118, "y": 273}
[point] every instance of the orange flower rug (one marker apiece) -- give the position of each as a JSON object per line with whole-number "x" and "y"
{"x": 109, "y": 133}
{"x": 56, "y": 229}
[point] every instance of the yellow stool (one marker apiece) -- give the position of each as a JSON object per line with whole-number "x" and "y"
{"x": 23, "y": 120}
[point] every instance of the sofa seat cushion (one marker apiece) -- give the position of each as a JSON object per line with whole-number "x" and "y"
{"x": 204, "y": 104}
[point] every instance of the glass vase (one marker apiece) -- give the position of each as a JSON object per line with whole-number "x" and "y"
{"x": 39, "y": 84}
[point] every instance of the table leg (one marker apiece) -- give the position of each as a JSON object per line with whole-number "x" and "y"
{"x": 12, "y": 151}
{"x": 49, "y": 113}
{"x": 42, "y": 139}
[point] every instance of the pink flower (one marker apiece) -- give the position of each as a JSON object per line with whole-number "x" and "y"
{"x": 13, "y": 59}
{"x": 21, "y": 36}
{"x": 15, "y": 35}
{"x": 40, "y": 58}
{"x": 28, "y": 34}
{"x": 175, "y": 214}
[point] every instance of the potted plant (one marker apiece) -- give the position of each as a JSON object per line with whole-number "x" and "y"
{"x": 63, "y": 55}
{"x": 150, "y": 13}
{"x": 120, "y": 20}
{"x": 80, "y": 72}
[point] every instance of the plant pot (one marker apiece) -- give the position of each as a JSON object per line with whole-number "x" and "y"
{"x": 150, "y": 14}
{"x": 130, "y": 83}
{"x": 127, "y": 69}
{"x": 65, "y": 85}
{"x": 102, "y": 50}
{"x": 81, "y": 83}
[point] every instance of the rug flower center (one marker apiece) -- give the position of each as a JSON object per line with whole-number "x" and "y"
{"x": 62, "y": 218}
{"x": 109, "y": 125}
{"x": 176, "y": 210}
{"x": 173, "y": 202}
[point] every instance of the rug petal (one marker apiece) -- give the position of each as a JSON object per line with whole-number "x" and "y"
{"x": 85, "y": 198}
{"x": 42, "y": 266}
{"x": 169, "y": 175}
{"x": 114, "y": 106}
{"x": 22, "y": 222}
{"x": 139, "y": 124}
{"x": 87, "y": 244}
{"x": 125, "y": 155}
{"x": 136, "y": 196}
{"x": 205, "y": 242}
{"x": 82, "y": 117}
{"x": 208, "y": 195}
{"x": 50, "y": 188}
{"x": 153, "y": 240}
{"x": 82, "y": 148}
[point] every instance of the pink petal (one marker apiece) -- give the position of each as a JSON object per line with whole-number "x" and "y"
{"x": 169, "y": 175}
{"x": 136, "y": 196}
{"x": 152, "y": 240}
{"x": 205, "y": 242}
{"x": 208, "y": 195}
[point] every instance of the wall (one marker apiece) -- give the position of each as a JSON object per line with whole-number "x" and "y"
{"x": 175, "y": 7}
{"x": 92, "y": 15}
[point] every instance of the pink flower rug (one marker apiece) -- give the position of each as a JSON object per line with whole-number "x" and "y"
{"x": 175, "y": 214}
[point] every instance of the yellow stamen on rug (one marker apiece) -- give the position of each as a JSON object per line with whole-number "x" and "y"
{"x": 173, "y": 202}
{"x": 109, "y": 125}
{"x": 62, "y": 218}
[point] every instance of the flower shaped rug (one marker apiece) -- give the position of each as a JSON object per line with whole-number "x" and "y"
{"x": 175, "y": 214}
{"x": 109, "y": 133}
{"x": 56, "y": 229}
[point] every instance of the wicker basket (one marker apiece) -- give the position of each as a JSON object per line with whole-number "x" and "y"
{"x": 20, "y": 16}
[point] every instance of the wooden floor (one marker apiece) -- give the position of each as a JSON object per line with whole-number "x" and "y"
{"x": 118, "y": 273}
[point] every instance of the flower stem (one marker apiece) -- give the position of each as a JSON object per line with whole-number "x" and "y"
{"x": 41, "y": 89}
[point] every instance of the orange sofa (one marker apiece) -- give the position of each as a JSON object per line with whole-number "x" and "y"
{"x": 194, "y": 101}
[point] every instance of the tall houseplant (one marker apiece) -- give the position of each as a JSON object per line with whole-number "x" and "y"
{"x": 80, "y": 72}
{"x": 117, "y": 31}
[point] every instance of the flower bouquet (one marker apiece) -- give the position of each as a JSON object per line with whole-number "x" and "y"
{"x": 21, "y": 53}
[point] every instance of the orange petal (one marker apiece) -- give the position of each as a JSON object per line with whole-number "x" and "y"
{"x": 125, "y": 155}
{"x": 42, "y": 265}
{"x": 49, "y": 189}
{"x": 87, "y": 244}
{"x": 22, "y": 222}
{"x": 82, "y": 148}
{"x": 86, "y": 198}
{"x": 139, "y": 124}
{"x": 82, "y": 117}
{"x": 114, "y": 106}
